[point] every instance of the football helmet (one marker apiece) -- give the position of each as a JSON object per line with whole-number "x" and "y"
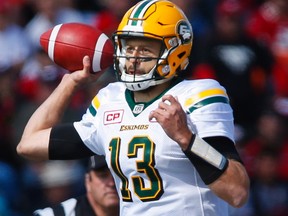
{"x": 154, "y": 19}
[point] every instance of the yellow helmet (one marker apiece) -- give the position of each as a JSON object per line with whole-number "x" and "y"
{"x": 161, "y": 20}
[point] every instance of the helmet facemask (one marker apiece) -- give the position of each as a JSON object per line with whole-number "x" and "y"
{"x": 137, "y": 82}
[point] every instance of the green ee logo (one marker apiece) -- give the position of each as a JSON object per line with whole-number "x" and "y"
{"x": 184, "y": 30}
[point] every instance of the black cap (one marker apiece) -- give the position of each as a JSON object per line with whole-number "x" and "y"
{"x": 97, "y": 162}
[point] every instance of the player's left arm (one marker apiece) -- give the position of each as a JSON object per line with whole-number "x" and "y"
{"x": 220, "y": 167}
{"x": 233, "y": 185}
{"x": 216, "y": 159}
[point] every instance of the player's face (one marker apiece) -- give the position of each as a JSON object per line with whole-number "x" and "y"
{"x": 100, "y": 187}
{"x": 141, "y": 55}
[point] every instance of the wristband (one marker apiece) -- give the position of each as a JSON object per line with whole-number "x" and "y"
{"x": 209, "y": 162}
{"x": 205, "y": 151}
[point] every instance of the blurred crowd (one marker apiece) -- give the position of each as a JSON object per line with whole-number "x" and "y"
{"x": 241, "y": 43}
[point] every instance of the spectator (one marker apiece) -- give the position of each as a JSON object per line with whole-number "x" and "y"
{"x": 10, "y": 192}
{"x": 269, "y": 194}
{"x": 14, "y": 46}
{"x": 54, "y": 182}
{"x": 269, "y": 25}
{"x": 109, "y": 16}
{"x": 101, "y": 197}
{"x": 239, "y": 63}
{"x": 271, "y": 134}
{"x": 49, "y": 13}
{"x": 14, "y": 50}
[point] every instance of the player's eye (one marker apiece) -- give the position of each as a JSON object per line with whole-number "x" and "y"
{"x": 145, "y": 51}
{"x": 141, "y": 51}
{"x": 129, "y": 49}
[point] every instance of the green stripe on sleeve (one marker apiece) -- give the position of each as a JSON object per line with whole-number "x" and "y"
{"x": 207, "y": 101}
{"x": 92, "y": 110}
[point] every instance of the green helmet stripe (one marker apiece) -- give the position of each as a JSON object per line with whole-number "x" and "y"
{"x": 139, "y": 11}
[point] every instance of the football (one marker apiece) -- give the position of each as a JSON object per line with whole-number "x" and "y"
{"x": 67, "y": 44}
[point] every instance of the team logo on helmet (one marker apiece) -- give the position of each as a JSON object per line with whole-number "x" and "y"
{"x": 185, "y": 31}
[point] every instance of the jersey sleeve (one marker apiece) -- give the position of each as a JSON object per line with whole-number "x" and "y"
{"x": 209, "y": 110}
{"x": 88, "y": 127}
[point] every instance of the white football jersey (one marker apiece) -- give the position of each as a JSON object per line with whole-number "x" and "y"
{"x": 152, "y": 174}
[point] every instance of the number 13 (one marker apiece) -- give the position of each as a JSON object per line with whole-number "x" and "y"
{"x": 146, "y": 165}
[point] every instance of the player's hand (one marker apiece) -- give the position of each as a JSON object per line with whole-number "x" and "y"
{"x": 173, "y": 120}
{"x": 84, "y": 76}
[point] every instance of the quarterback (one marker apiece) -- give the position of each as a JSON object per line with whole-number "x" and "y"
{"x": 169, "y": 142}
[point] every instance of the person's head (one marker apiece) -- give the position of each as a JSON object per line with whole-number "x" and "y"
{"x": 152, "y": 44}
{"x": 229, "y": 18}
{"x": 268, "y": 157}
{"x": 57, "y": 179}
{"x": 271, "y": 128}
{"x": 100, "y": 186}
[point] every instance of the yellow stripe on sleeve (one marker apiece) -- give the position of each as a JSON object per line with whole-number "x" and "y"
{"x": 204, "y": 94}
{"x": 96, "y": 102}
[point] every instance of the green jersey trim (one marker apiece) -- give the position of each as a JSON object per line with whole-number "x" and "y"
{"x": 129, "y": 95}
{"x": 207, "y": 101}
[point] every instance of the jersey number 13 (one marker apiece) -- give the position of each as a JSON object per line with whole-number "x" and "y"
{"x": 146, "y": 165}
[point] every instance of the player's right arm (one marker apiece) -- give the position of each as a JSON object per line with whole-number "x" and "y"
{"x": 34, "y": 143}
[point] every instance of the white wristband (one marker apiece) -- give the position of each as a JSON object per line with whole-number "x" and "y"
{"x": 205, "y": 151}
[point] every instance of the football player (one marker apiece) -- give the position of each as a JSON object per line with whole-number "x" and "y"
{"x": 169, "y": 142}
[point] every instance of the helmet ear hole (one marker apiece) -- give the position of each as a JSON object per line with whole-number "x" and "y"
{"x": 180, "y": 55}
{"x": 185, "y": 63}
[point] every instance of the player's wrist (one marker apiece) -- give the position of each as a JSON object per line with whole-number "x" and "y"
{"x": 204, "y": 150}
{"x": 185, "y": 141}
{"x": 69, "y": 83}
{"x": 209, "y": 162}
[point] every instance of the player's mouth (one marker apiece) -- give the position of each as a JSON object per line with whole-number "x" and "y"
{"x": 133, "y": 71}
